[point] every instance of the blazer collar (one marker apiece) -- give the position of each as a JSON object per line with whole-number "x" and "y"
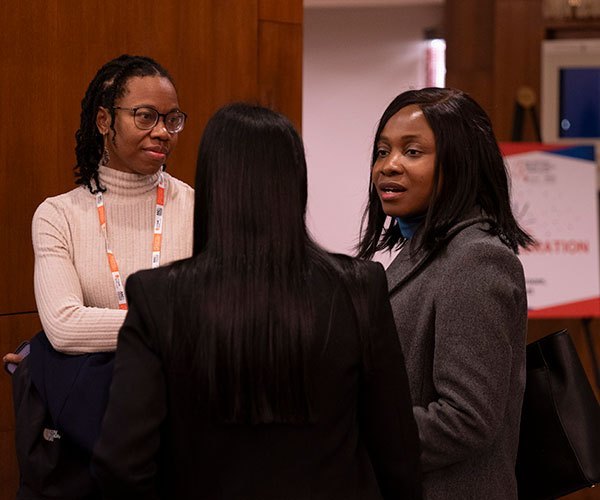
{"x": 407, "y": 264}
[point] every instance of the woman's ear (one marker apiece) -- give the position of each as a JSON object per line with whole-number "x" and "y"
{"x": 103, "y": 120}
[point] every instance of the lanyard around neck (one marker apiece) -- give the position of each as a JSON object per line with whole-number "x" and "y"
{"x": 156, "y": 240}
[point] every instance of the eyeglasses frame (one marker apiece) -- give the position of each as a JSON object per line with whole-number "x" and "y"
{"x": 158, "y": 117}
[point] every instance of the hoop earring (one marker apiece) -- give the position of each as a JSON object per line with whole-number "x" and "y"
{"x": 105, "y": 158}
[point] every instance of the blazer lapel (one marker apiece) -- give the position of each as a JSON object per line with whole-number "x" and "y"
{"x": 405, "y": 266}
{"x": 396, "y": 270}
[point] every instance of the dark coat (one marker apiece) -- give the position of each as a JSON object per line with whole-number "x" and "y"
{"x": 461, "y": 315}
{"x": 73, "y": 387}
{"x": 157, "y": 440}
{"x": 59, "y": 403}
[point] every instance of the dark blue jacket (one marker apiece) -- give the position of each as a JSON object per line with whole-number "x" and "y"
{"x": 74, "y": 388}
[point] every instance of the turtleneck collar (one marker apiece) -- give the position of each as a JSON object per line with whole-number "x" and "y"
{"x": 409, "y": 225}
{"x": 125, "y": 183}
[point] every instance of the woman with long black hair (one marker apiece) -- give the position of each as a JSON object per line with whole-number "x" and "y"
{"x": 262, "y": 367}
{"x": 439, "y": 192}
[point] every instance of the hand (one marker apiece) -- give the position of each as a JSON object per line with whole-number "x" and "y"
{"x": 12, "y": 358}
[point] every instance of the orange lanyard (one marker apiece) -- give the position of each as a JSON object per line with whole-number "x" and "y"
{"x": 156, "y": 240}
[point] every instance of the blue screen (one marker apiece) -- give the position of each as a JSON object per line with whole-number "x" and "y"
{"x": 579, "y": 103}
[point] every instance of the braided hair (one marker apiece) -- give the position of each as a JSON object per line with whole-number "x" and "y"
{"x": 107, "y": 86}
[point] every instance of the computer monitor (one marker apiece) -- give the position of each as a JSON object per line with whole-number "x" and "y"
{"x": 570, "y": 88}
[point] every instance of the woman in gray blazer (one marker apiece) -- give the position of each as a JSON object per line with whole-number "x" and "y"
{"x": 457, "y": 287}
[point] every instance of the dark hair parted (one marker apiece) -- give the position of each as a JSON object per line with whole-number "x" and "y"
{"x": 242, "y": 306}
{"x": 469, "y": 172}
{"x": 107, "y": 86}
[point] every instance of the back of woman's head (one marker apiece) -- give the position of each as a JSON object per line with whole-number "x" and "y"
{"x": 108, "y": 85}
{"x": 243, "y": 310}
{"x": 469, "y": 172}
{"x": 251, "y": 184}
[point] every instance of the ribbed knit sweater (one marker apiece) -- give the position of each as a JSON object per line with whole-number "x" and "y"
{"x": 74, "y": 289}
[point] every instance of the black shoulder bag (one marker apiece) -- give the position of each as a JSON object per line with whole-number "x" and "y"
{"x": 559, "y": 447}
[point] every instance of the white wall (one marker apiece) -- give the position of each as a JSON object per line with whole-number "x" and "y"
{"x": 356, "y": 60}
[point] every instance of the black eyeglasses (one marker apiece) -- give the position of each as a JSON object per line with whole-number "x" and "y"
{"x": 147, "y": 118}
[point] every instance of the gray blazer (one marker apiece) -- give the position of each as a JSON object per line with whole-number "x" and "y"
{"x": 461, "y": 315}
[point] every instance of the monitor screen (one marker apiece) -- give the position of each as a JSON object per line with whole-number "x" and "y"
{"x": 579, "y": 98}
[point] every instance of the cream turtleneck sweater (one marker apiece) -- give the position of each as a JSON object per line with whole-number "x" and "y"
{"x": 74, "y": 289}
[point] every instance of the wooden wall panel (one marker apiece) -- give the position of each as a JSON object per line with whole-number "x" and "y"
{"x": 518, "y": 34}
{"x": 276, "y": 10}
{"x": 585, "y": 494}
{"x": 492, "y": 49}
{"x": 280, "y": 68}
{"x": 27, "y": 138}
{"x": 469, "y": 47}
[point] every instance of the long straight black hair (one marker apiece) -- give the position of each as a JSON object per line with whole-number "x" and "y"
{"x": 468, "y": 160}
{"x": 242, "y": 303}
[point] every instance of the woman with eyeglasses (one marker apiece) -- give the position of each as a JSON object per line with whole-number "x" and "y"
{"x": 127, "y": 214}
{"x": 261, "y": 368}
